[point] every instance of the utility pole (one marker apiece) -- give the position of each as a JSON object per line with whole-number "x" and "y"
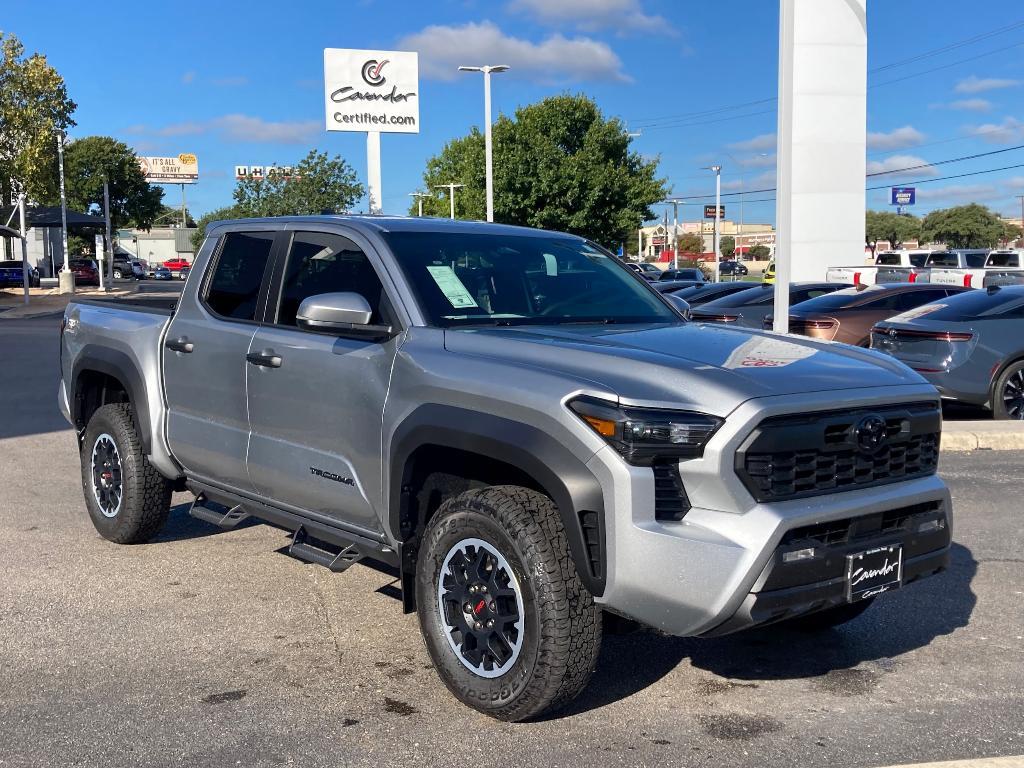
{"x": 63, "y": 203}
{"x": 419, "y": 199}
{"x": 718, "y": 209}
{"x": 676, "y": 202}
{"x": 451, "y": 194}
{"x": 110, "y": 242}
{"x": 488, "y": 150}
{"x": 24, "y": 243}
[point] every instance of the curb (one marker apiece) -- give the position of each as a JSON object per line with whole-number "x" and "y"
{"x": 982, "y": 436}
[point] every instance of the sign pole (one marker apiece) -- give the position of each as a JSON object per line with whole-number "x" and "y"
{"x": 184, "y": 221}
{"x": 106, "y": 215}
{"x": 63, "y": 204}
{"x": 24, "y": 243}
{"x": 373, "y": 171}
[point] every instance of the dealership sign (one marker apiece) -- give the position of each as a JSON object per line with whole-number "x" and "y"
{"x": 709, "y": 212}
{"x": 371, "y": 91}
{"x": 265, "y": 171}
{"x": 183, "y": 169}
{"x": 904, "y": 195}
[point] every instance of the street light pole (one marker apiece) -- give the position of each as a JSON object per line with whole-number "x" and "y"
{"x": 451, "y": 194}
{"x": 718, "y": 215}
{"x": 63, "y": 203}
{"x": 488, "y": 150}
{"x": 676, "y": 202}
{"x": 419, "y": 199}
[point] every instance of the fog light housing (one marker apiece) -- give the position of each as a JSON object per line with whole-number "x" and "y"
{"x": 797, "y": 555}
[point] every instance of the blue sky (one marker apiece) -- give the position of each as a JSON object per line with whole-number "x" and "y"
{"x": 242, "y": 84}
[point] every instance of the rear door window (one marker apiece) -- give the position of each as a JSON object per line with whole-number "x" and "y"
{"x": 234, "y": 287}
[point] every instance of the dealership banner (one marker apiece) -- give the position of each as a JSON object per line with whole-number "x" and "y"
{"x": 904, "y": 195}
{"x": 183, "y": 169}
{"x": 375, "y": 91}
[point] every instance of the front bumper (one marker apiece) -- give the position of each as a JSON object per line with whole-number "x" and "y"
{"x": 715, "y": 571}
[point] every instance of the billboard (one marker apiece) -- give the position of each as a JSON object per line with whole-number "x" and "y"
{"x": 183, "y": 169}
{"x": 375, "y": 91}
{"x": 264, "y": 171}
{"x": 709, "y": 212}
{"x": 904, "y": 195}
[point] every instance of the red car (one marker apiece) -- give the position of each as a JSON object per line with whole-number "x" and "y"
{"x": 176, "y": 265}
{"x": 85, "y": 272}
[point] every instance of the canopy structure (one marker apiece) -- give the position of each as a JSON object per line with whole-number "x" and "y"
{"x": 9, "y": 232}
{"x": 49, "y": 216}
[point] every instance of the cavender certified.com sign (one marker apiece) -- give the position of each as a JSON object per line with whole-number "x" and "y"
{"x": 371, "y": 90}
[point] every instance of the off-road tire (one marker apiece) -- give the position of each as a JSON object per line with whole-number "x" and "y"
{"x": 1000, "y": 410}
{"x": 561, "y": 624}
{"x": 146, "y": 494}
{"x": 829, "y": 617}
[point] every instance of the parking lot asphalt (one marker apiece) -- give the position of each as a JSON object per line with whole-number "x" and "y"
{"x": 209, "y": 648}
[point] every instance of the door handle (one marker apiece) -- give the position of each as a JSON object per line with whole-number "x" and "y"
{"x": 180, "y": 344}
{"x": 266, "y": 359}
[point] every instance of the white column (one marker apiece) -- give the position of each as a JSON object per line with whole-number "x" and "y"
{"x": 820, "y": 195}
{"x": 718, "y": 221}
{"x": 488, "y": 159}
{"x": 373, "y": 172}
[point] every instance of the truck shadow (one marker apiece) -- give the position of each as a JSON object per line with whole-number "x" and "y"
{"x": 902, "y": 622}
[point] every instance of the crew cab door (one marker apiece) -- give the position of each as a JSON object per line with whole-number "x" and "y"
{"x": 204, "y": 360}
{"x": 316, "y": 400}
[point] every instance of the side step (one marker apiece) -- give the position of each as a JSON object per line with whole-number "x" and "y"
{"x": 333, "y": 557}
{"x": 218, "y": 514}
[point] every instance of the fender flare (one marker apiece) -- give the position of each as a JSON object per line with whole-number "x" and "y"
{"x": 119, "y": 366}
{"x": 563, "y": 476}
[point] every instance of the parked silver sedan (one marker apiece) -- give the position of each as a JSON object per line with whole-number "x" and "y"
{"x": 970, "y": 346}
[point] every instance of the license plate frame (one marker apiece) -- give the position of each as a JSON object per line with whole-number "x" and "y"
{"x": 873, "y": 572}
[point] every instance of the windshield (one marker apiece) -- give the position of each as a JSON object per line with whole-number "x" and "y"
{"x": 888, "y": 260}
{"x": 466, "y": 279}
{"x": 1003, "y": 260}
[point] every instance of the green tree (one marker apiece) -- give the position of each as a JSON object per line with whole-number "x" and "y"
{"x": 691, "y": 242}
{"x": 886, "y": 225}
{"x": 34, "y": 110}
{"x": 88, "y": 161}
{"x": 320, "y": 183}
{"x": 227, "y": 212}
{"x": 1011, "y": 232}
{"x": 759, "y": 253}
{"x": 964, "y": 226}
{"x": 727, "y": 245}
{"x": 558, "y": 164}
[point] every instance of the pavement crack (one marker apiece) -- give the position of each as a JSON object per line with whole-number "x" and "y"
{"x": 326, "y": 616}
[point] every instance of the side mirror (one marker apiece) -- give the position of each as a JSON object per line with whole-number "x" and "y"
{"x": 341, "y": 314}
{"x": 681, "y": 305}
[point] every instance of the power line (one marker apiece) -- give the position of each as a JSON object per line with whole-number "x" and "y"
{"x": 944, "y": 162}
{"x": 950, "y": 47}
{"x": 947, "y": 66}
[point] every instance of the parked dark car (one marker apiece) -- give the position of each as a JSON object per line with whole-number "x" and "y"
{"x": 669, "y": 287}
{"x": 162, "y": 273}
{"x": 702, "y": 294}
{"x": 691, "y": 274}
{"x": 644, "y": 269}
{"x": 848, "y": 315}
{"x": 183, "y": 272}
{"x": 85, "y": 271}
{"x": 970, "y": 346}
{"x": 125, "y": 269}
{"x": 11, "y": 274}
{"x": 747, "y": 309}
{"x": 733, "y": 268}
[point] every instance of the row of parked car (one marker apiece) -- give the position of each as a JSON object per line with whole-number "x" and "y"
{"x": 86, "y": 271}
{"x": 970, "y": 268}
{"x": 968, "y": 343}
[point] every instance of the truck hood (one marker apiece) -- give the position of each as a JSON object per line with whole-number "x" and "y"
{"x": 710, "y": 367}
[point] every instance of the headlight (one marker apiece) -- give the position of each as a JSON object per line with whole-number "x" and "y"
{"x": 642, "y": 435}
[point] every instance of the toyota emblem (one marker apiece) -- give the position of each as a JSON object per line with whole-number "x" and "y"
{"x": 871, "y": 433}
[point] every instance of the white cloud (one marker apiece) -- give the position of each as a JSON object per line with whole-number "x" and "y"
{"x": 759, "y": 143}
{"x": 956, "y": 194}
{"x": 556, "y": 59}
{"x": 974, "y": 84}
{"x": 899, "y": 138}
{"x": 971, "y": 105}
{"x": 237, "y": 127}
{"x": 894, "y": 163}
{"x": 760, "y": 181}
{"x": 1007, "y": 132}
{"x": 188, "y": 77}
{"x": 591, "y": 15}
{"x": 761, "y": 160}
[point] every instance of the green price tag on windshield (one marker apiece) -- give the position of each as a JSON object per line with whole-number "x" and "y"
{"x": 452, "y": 288}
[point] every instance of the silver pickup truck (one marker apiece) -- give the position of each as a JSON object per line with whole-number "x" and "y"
{"x": 525, "y": 430}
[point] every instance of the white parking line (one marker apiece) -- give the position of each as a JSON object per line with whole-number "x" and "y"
{"x": 984, "y": 762}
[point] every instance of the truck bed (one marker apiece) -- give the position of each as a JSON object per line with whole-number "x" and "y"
{"x": 155, "y": 303}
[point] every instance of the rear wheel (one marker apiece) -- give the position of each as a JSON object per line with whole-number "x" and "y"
{"x": 128, "y": 500}
{"x": 117, "y": 274}
{"x": 506, "y": 620}
{"x": 1008, "y": 398}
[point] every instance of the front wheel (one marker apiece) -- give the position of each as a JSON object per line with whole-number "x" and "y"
{"x": 507, "y": 622}
{"x": 128, "y": 499}
{"x": 117, "y": 274}
{"x": 1008, "y": 398}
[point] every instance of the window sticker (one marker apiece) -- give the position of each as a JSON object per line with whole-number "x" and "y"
{"x": 550, "y": 265}
{"x": 453, "y": 289}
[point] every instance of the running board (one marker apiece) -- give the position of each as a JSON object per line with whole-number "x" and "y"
{"x": 218, "y": 514}
{"x": 335, "y": 558}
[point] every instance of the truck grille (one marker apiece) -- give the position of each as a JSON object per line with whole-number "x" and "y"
{"x": 789, "y": 457}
